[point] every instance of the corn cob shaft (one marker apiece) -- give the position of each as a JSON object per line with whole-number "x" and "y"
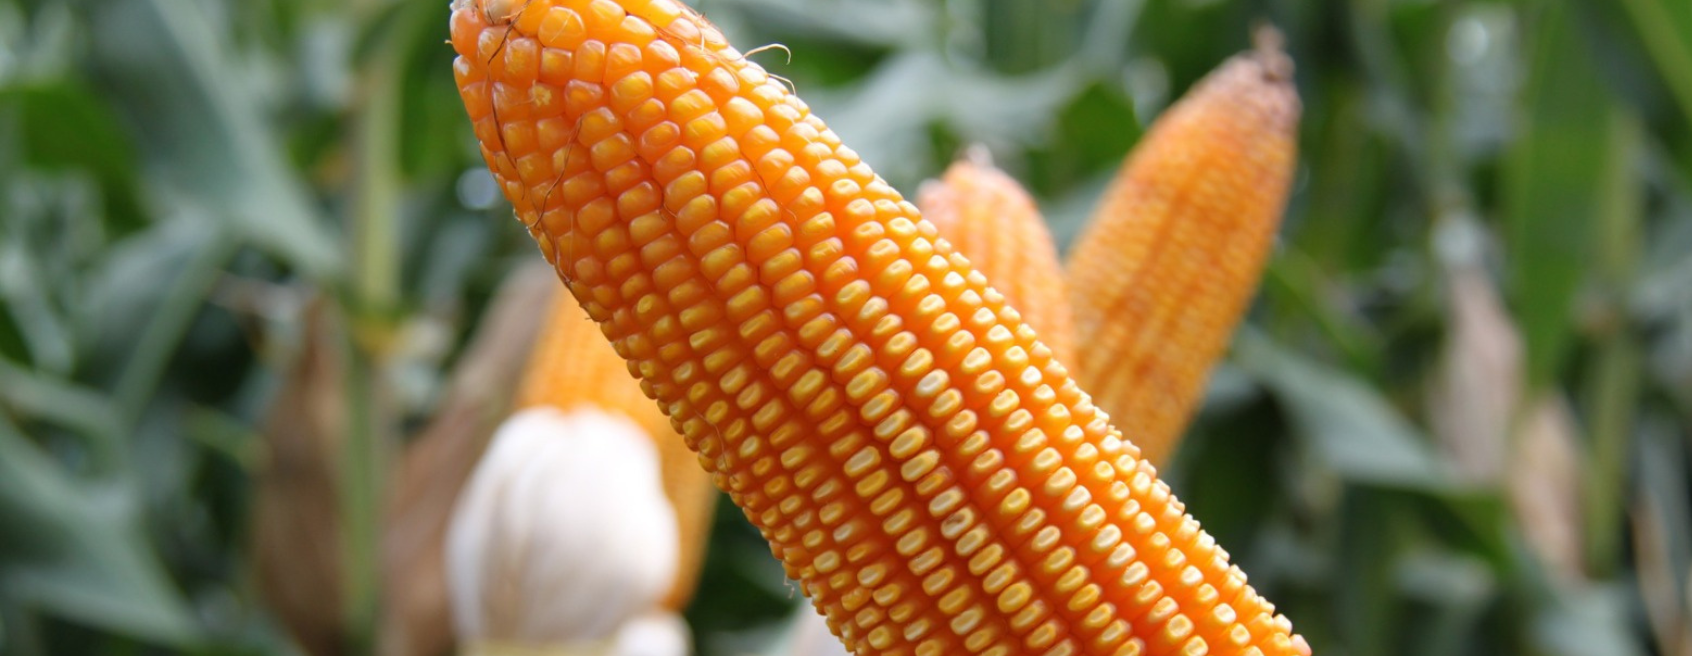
{"x": 573, "y": 366}
{"x": 1160, "y": 278}
{"x": 912, "y": 452}
{"x": 988, "y": 217}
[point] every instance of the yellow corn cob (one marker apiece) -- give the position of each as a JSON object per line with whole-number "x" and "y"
{"x": 572, "y": 365}
{"x": 1173, "y": 256}
{"x": 989, "y": 218}
{"x": 915, "y": 457}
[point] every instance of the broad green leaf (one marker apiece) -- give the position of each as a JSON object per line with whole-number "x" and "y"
{"x": 1665, "y": 28}
{"x": 1457, "y": 587}
{"x": 1553, "y": 194}
{"x": 1614, "y": 386}
{"x": 82, "y": 556}
{"x": 1348, "y": 425}
{"x": 909, "y": 23}
{"x": 1662, "y": 524}
{"x": 66, "y": 404}
{"x": 65, "y": 127}
{"x": 1585, "y": 622}
{"x": 886, "y": 118}
{"x": 206, "y": 143}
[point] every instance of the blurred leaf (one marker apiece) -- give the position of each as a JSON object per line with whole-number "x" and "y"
{"x": 1080, "y": 147}
{"x": 1552, "y": 187}
{"x": 40, "y": 397}
{"x": 1585, "y": 622}
{"x": 1347, "y": 192}
{"x": 67, "y": 128}
{"x": 430, "y": 106}
{"x": 886, "y": 118}
{"x": 1458, "y": 587}
{"x": 161, "y": 335}
{"x": 1662, "y": 536}
{"x": 1661, "y": 298}
{"x": 1665, "y": 27}
{"x": 1373, "y": 534}
{"x": 1027, "y": 35}
{"x": 205, "y": 141}
{"x": 1349, "y": 427}
{"x": 124, "y": 288}
{"x": 27, "y": 289}
{"x": 82, "y": 557}
{"x": 1664, "y": 288}
{"x": 1613, "y": 389}
{"x": 908, "y": 23}
{"x": 1298, "y": 284}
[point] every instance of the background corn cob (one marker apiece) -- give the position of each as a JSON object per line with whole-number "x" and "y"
{"x": 416, "y": 615}
{"x": 911, "y": 451}
{"x": 1172, "y": 258}
{"x": 573, "y": 366}
{"x": 989, "y": 217}
{"x": 562, "y": 537}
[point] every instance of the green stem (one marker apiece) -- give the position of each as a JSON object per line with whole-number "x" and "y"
{"x": 373, "y": 299}
{"x": 1614, "y": 392}
{"x": 1615, "y": 389}
{"x": 362, "y": 470}
{"x": 86, "y": 411}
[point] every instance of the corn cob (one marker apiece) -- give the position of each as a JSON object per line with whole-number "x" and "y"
{"x": 534, "y": 559}
{"x": 1172, "y": 258}
{"x": 989, "y": 218}
{"x": 912, "y": 452}
{"x": 573, "y": 366}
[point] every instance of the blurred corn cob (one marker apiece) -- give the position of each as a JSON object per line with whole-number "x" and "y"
{"x": 1475, "y": 397}
{"x": 1544, "y": 485}
{"x": 573, "y": 367}
{"x": 416, "y": 620}
{"x": 1172, "y": 258}
{"x": 1490, "y": 433}
{"x": 571, "y": 575}
{"x": 990, "y": 219}
{"x": 910, "y": 449}
{"x": 562, "y": 536}
{"x": 570, "y": 361}
{"x": 296, "y": 531}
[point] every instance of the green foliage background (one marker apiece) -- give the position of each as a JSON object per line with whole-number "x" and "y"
{"x": 178, "y": 177}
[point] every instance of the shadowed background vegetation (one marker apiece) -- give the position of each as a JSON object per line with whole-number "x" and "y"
{"x": 1457, "y": 422}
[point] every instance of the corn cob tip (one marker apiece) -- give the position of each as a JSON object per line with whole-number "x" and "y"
{"x": 1260, "y": 81}
{"x": 978, "y": 154}
{"x": 975, "y": 154}
{"x": 1269, "y": 49}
